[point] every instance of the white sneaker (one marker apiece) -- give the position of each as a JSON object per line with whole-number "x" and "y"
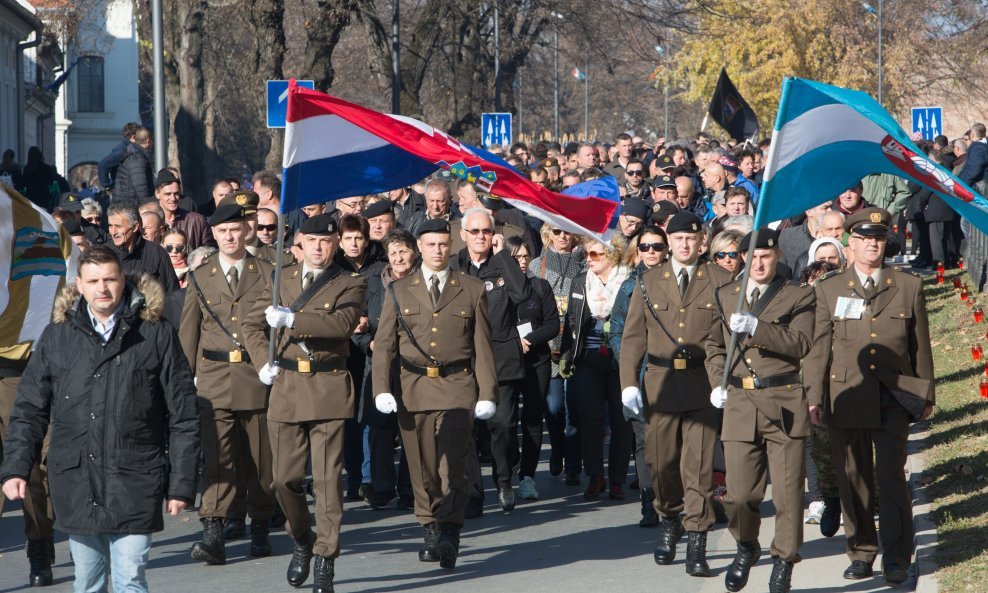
{"x": 815, "y": 513}
{"x": 526, "y": 489}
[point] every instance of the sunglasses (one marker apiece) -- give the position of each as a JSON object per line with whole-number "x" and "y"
{"x": 636, "y": 172}
{"x": 725, "y": 254}
{"x": 523, "y": 256}
{"x": 174, "y": 248}
{"x": 646, "y": 247}
{"x": 475, "y": 232}
{"x": 557, "y": 232}
{"x": 92, "y": 219}
{"x": 594, "y": 255}
{"x": 268, "y": 228}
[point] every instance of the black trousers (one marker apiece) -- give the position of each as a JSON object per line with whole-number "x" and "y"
{"x": 597, "y": 389}
{"x": 504, "y": 432}
{"x": 535, "y": 386}
{"x": 384, "y": 478}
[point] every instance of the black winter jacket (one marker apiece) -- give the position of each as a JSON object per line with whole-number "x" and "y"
{"x": 135, "y": 177}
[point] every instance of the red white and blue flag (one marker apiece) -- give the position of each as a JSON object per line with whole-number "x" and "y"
{"x": 335, "y": 149}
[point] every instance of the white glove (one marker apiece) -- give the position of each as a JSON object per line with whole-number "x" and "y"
{"x": 195, "y": 381}
{"x": 745, "y": 323}
{"x": 631, "y": 397}
{"x": 385, "y": 403}
{"x": 718, "y": 397}
{"x": 279, "y": 317}
{"x": 268, "y": 372}
{"x": 484, "y": 410}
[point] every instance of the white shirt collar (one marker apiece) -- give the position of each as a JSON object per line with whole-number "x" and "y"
{"x": 427, "y": 275}
{"x": 315, "y": 272}
{"x": 676, "y": 267}
{"x": 752, "y": 285}
{"x": 877, "y": 276}
{"x": 105, "y": 330}
{"x": 226, "y": 267}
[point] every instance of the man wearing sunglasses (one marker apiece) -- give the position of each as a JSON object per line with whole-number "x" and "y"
{"x": 670, "y": 318}
{"x": 635, "y": 185}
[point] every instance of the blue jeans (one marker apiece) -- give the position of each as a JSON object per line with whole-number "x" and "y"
{"x": 124, "y": 556}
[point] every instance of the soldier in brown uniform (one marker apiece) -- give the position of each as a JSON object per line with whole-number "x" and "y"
{"x": 232, "y": 401}
{"x": 871, "y": 367}
{"x": 312, "y": 394}
{"x": 766, "y": 418}
{"x": 670, "y": 316}
{"x": 435, "y": 322}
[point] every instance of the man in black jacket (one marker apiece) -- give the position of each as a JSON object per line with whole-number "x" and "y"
{"x": 138, "y": 256}
{"x": 111, "y": 380}
{"x": 135, "y": 177}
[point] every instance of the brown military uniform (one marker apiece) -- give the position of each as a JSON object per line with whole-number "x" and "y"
{"x": 232, "y": 400}
{"x": 435, "y": 414}
{"x": 866, "y": 369}
{"x": 681, "y": 423}
{"x": 38, "y": 515}
{"x": 312, "y": 397}
{"x": 767, "y": 420}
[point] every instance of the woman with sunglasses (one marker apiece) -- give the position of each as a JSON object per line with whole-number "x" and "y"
{"x": 92, "y": 212}
{"x": 176, "y": 245}
{"x": 561, "y": 261}
{"x": 595, "y": 381}
{"x": 647, "y": 250}
{"x": 724, "y": 251}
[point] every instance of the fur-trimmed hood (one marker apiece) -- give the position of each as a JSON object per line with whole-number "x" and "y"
{"x": 142, "y": 295}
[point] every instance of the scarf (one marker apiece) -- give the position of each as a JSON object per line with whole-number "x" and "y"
{"x": 600, "y": 294}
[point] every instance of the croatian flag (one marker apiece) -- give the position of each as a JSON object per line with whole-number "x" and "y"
{"x": 335, "y": 149}
{"x": 827, "y": 138}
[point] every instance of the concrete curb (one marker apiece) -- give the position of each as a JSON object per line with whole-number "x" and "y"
{"x": 924, "y": 566}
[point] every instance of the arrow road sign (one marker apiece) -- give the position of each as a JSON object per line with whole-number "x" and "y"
{"x": 495, "y": 129}
{"x": 277, "y": 100}
{"x": 928, "y": 121}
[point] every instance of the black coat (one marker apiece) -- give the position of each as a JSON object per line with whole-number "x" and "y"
{"x": 149, "y": 258}
{"x": 114, "y": 410}
{"x": 135, "y": 177}
{"x": 540, "y": 310}
{"x": 578, "y": 320}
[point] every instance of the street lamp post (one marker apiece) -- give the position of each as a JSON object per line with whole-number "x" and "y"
{"x": 665, "y": 92}
{"x": 878, "y": 14}
{"x": 555, "y": 77}
{"x": 497, "y": 59}
{"x": 395, "y": 60}
{"x": 160, "y": 127}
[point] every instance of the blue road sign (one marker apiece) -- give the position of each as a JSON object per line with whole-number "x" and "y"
{"x": 277, "y": 100}
{"x": 928, "y": 121}
{"x": 495, "y": 128}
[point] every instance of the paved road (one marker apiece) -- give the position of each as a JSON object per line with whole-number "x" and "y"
{"x": 560, "y": 543}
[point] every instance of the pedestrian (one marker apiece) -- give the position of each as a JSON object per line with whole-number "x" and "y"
{"x": 435, "y": 322}
{"x": 107, "y": 371}
{"x": 168, "y": 192}
{"x": 725, "y": 253}
{"x": 138, "y": 255}
{"x": 38, "y": 180}
{"x": 176, "y": 245}
{"x": 134, "y": 179}
{"x": 107, "y": 169}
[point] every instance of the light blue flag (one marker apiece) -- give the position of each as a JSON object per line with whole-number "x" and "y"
{"x": 827, "y": 138}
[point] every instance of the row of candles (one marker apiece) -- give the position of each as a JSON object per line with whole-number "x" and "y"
{"x": 977, "y": 350}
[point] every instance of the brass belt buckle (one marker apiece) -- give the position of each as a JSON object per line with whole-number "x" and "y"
{"x": 432, "y": 372}
{"x": 679, "y": 364}
{"x": 748, "y": 383}
{"x": 236, "y": 356}
{"x": 304, "y": 366}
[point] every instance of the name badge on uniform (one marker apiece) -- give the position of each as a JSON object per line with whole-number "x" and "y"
{"x": 849, "y": 308}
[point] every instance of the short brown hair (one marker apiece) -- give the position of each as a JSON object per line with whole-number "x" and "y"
{"x": 353, "y": 222}
{"x": 98, "y": 255}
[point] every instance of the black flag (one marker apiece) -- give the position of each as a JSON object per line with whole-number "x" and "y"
{"x": 729, "y": 109}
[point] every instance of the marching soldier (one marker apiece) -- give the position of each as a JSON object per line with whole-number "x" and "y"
{"x": 766, "y": 418}
{"x": 312, "y": 394}
{"x": 670, "y": 317}
{"x": 232, "y": 401}
{"x": 871, "y": 365}
{"x": 435, "y": 322}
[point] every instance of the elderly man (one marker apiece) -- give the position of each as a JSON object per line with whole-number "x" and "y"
{"x": 152, "y": 224}
{"x": 138, "y": 255}
{"x": 795, "y": 241}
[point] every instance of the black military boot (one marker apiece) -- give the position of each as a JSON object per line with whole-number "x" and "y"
{"x": 212, "y": 548}
{"x": 430, "y": 552}
{"x": 39, "y": 556}
{"x": 449, "y": 545}
{"x": 781, "y": 579}
{"x": 322, "y": 575}
{"x": 830, "y": 519}
{"x": 737, "y": 573}
{"x": 234, "y": 529}
{"x": 649, "y": 517}
{"x": 260, "y": 545}
{"x": 670, "y": 530}
{"x": 298, "y": 568}
{"x": 696, "y": 554}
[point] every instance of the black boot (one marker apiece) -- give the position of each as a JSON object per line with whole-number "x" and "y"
{"x": 670, "y": 530}
{"x": 737, "y": 573}
{"x": 830, "y": 520}
{"x": 449, "y": 545}
{"x": 212, "y": 548}
{"x": 39, "y": 556}
{"x": 696, "y": 554}
{"x": 235, "y": 529}
{"x": 260, "y": 545}
{"x": 649, "y": 517}
{"x": 781, "y": 579}
{"x": 323, "y": 572}
{"x": 298, "y": 568}
{"x": 430, "y": 552}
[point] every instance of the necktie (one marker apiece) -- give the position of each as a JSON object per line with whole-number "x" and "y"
{"x": 233, "y": 277}
{"x": 434, "y": 290}
{"x": 753, "y": 297}
{"x": 869, "y": 288}
{"x": 307, "y": 280}
{"x": 684, "y": 282}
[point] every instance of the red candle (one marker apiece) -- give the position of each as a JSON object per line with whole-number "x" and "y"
{"x": 939, "y": 267}
{"x": 986, "y": 369}
{"x": 964, "y": 292}
{"x": 960, "y": 263}
{"x": 957, "y": 282}
{"x": 939, "y": 277}
{"x": 979, "y": 314}
{"x": 975, "y": 353}
{"x": 984, "y": 387}
{"x": 909, "y": 234}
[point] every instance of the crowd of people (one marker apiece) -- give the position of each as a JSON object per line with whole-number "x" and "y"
{"x": 425, "y": 333}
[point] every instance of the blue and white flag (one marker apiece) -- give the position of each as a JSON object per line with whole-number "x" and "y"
{"x": 827, "y": 138}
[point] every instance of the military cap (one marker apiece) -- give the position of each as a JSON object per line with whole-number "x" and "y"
{"x": 635, "y": 207}
{"x": 227, "y": 213}
{"x": 432, "y": 225}
{"x": 665, "y": 162}
{"x": 70, "y": 201}
{"x": 663, "y": 209}
{"x": 684, "y": 222}
{"x": 321, "y": 225}
{"x": 663, "y": 181}
{"x": 244, "y": 198}
{"x": 378, "y": 208}
{"x": 490, "y": 202}
{"x": 73, "y": 228}
{"x": 767, "y": 239}
{"x": 870, "y": 222}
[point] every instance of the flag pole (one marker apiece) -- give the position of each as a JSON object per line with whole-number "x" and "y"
{"x": 278, "y": 260}
{"x": 703, "y": 126}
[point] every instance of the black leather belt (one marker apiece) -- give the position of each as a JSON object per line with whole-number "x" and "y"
{"x": 751, "y": 383}
{"x": 318, "y": 366}
{"x": 443, "y": 370}
{"x": 679, "y": 364}
{"x": 225, "y": 356}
